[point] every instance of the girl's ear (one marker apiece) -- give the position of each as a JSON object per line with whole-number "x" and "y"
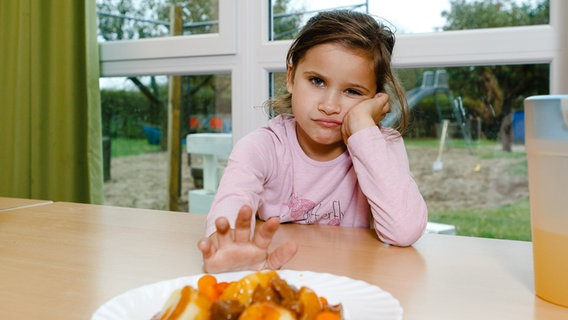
{"x": 289, "y": 78}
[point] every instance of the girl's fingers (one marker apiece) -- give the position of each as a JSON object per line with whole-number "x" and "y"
{"x": 383, "y": 113}
{"x": 239, "y": 239}
{"x": 223, "y": 231}
{"x": 243, "y": 224}
{"x": 386, "y": 109}
{"x": 382, "y": 97}
{"x": 382, "y": 106}
{"x": 206, "y": 247}
{"x": 279, "y": 257}
{"x": 265, "y": 232}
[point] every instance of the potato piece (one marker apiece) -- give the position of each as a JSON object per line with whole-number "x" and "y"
{"x": 266, "y": 311}
{"x": 243, "y": 289}
{"x": 310, "y": 302}
{"x": 186, "y": 304}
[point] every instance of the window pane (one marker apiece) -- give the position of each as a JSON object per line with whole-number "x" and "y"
{"x": 121, "y": 20}
{"x": 425, "y": 16}
{"x": 134, "y": 113}
{"x": 477, "y": 179}
{"x": 287, "y": 17}
{"x": 277, "y": 88}
{"x": 478, "y": 182}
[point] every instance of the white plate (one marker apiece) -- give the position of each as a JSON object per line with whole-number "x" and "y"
{"x": 360, "y": 300}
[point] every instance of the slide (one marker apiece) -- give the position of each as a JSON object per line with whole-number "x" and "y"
{"x": 432, "y": 83}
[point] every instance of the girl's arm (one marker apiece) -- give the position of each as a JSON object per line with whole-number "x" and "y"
{"x": 381, "y": 164}
{"x": 243, "y": 180}
{"x": 232, "y": 243}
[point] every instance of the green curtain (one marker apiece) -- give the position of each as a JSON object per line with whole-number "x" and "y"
{"x": 50, "y": 122}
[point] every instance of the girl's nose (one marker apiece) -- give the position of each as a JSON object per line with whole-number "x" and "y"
{"x": 330, "y": 104}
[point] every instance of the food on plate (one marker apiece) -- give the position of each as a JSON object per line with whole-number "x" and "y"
{"x": 259, "y": 295}
{"x": 187, "y": 303}
{"x": 266, "y": 310}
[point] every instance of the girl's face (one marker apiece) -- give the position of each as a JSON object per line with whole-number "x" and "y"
{"x": 326, "y": 84}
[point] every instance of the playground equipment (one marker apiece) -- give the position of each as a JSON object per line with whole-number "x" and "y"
{"x": 462, "y": 121}
{"x": 464, "y": 126}
{"x": 438, "y": 164}
{"x": 433, "y": 84}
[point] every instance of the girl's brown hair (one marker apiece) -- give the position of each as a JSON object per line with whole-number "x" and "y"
{"x": 357, "y": 31}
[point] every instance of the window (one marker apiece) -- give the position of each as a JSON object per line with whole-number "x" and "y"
{"x": 123, "y": 20}
{"x": 187, "y": 45}
{"x": 286, "y": 18}
{"x": 476, "y": 177}
{"x": 135, "y": 110}
{"x": 424, "y": 17}
{"x": 249, "y": 49}
{"x": 481, "y": 173}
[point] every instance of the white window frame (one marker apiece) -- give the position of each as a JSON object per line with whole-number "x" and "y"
{"x": 242, "y": 48}
{"x": 156, "y": 55}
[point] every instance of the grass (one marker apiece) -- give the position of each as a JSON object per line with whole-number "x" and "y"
{"x": 128, "y": 147}
{"x": 508, "y": 222}
{"x": 454, "y": 143}
{"x": 484, "y": 149}
{"x": 519, "y": 169}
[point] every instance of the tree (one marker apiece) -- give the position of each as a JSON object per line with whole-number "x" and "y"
{"x": 467, "y": 14}
{"x": 134, "y": 19}
{"x": 286, "y": 22}
{"x": 492, "y": 93}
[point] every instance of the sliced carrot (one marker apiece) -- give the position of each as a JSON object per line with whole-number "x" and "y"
{"x": 207, "y": 286}
{"x": 211, "y": 293}
{"x": 206, "y": 281}
{"x": 221, "y": 286}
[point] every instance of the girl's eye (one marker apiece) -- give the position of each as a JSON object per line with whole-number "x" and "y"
{"x": 317, "y": 82}
{"x": 353, "y": 92}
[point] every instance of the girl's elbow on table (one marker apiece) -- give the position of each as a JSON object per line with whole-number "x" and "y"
{"x": 403, "y": 237}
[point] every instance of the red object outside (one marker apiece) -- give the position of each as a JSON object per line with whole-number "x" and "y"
{"x": 216, "y": 123}
{"x": 194, "y": 123}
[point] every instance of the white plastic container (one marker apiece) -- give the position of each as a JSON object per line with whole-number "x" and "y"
{"x": 546, "y": 141}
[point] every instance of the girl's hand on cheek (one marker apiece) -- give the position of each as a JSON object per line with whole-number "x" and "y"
{"x": 365, "y": 114}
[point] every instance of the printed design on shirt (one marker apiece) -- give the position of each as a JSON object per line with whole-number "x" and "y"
{"x": 335, "y": 215}
{"x": 310, "y": 212}
{"x": 299, "y": 206}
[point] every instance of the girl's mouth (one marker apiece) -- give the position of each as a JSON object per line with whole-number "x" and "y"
{"x": 328, "y": 123}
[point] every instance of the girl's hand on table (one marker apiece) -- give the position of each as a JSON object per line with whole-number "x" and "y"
{"x": 234, "y": 250}
{"x": 367, "y": 113}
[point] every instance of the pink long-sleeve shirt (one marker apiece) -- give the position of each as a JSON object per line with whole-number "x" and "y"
{"x": 269, "y": 171}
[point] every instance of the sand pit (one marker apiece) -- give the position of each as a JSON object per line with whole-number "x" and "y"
{"x": 469, "y": 179}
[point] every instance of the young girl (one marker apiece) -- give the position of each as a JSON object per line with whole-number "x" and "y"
{"x": 325, "y": 159}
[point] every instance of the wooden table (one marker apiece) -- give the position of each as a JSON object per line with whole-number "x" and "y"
{"x": 64, "y": 260}
{"x": 14, "y": 203}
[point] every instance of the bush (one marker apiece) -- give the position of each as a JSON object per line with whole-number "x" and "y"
{"x": 124, "y": 113}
